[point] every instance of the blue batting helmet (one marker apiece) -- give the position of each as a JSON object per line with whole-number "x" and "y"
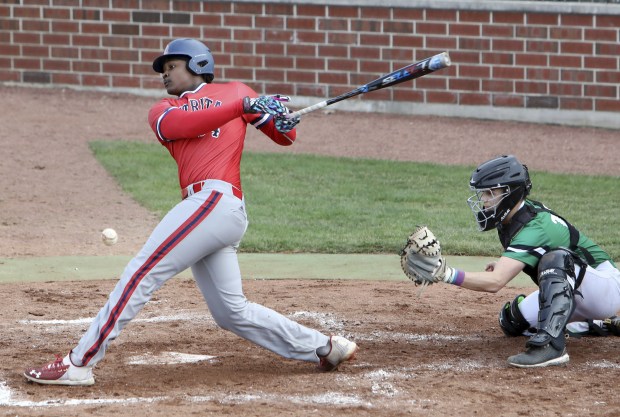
{"x": 200, "y": 59}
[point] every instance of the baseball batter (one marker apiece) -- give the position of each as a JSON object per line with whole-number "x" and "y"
{"x": 579, "y": 284}
{"x": 204, "y": 130}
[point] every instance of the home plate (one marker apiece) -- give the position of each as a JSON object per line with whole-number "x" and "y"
{"x": 168, "y": 358}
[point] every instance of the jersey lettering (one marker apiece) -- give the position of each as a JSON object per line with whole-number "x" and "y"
{"x": 557, "y": 220}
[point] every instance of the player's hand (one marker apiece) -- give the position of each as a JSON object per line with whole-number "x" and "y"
{"x": 265, "y": 104}
{"x": 284, "y": 124}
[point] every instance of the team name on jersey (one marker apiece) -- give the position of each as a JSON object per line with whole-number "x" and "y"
{"x": 194, "y": 104}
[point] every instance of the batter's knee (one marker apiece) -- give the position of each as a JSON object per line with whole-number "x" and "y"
{"x": 511, "y": 320}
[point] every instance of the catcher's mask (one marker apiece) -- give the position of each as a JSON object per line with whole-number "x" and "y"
{"x": 499, "y": 184}
{"x": 198, "y": 56}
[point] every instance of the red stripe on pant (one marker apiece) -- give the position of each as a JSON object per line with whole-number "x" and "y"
{"x": 170, "y": 243}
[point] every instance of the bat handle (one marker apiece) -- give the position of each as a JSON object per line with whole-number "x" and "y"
{"x": 298, "y": 113}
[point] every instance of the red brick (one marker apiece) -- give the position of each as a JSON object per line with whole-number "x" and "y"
{"x": 424, "y": 28}
{"x": 565, "y": 33}
{"x": 29, "y": 12}
{"x": 580, "y": 48}
{"x": 115, "y": 68}
{"x": 607, "y": 49}
{"x": 565, "y": 61}
{"x": 279, "y": 62}
{"x": 56, "y": 65}
{"x": 607, "y": 105}
{"x": 96, "y": 80}
{"x": 102, "y": 28}
{"x": 409, "y": 41}
{"x": 366, "y": 25}
{"x": 251, "y": 61}
{"x": 474, "y": 16}
{"x": 333, "y": 24}
{"x": 373, "y": 68}
{"x": 511, "y": 73}
{"x": 534, "y": 46}
{"x": 248, "y": 8}
{"x": 581, "y": 76}
{"x": 378, "y": 13}
{"x": 431, "y": 83}
{"x": 576, "y": 20}
{"x": 66, "y": 78}
{"x": 311, "y": 90}
{"x": 441, "y": 15}
{"x": 379, "y": 39}
{"x": 530, "y": 87}
{"x": 269, "y": 22}
{"x": 339, "y": 51}
{"x": 549, "y": 74}
{"x": 498, "y": 86}
{"x": 188, "y": 6}
{"x": 408, "y": 14}
{"x": 612, "y": 77}
{"x": 509, "y": 17}
{"x": 474, "y": 99}
{"x": 457, "y": 29}
{"x": 212, "y": 34}
{"x": 279, "y": 9}
{"x": 573, "y": 103}
{"x": 270, "y": 74}
{"x": 26, "y": 37}
{"x": 163, "y": 5}
{"x": 477, "y": 71}
{"x": 343, "y": 11}
{"x": 116, "y": 16}
{"x": 9, "y": 50}
{"x": 86, "y": 66}
{"x": 265, "y": 48}
{"x": 396, "y": 54}
{"x": 332, "y": 78}
{"x": 538, "y": 32}
{"x": 467, "y": 84}
{"x": 27, "y": 63}
{"x": 475, "y": 44}
{"x": 301, "y": 76}
{"x": 56, "y": 39}
{"x": 303, "y": 23}
{"x": 127, "y": 42}
{"x": 237, "y": 47}
{"x": 342, "y": 65}
{"x": 512, "y": 45}
{"x": 217, "y": 7}
{"x": 305, "y": 50}
{"x": 125, "y": 55}
{"x": 64, "y": 52}
{"x": 10, "y": 76}
{"x": 302, "y": 36}
{"x": 156, "y": 30}
{"x": 606, "y": 35}
{"x": 37, "y": 25}
{"x": 35, "y": 50}
{"x": 607, "y": 63}
{"x": 610, "y": 21}
{"x": 498, "y": 31}
{"x": 442, "y": 43}
{"x": 498, "y": 58}
{"x": 65, "y": 26}
{"x": 510, "y": 100}
{"x": 186, "y": 32}
{"x": 531, "y": 60}
{"x": 124, "y": 4}
{"x": 240, "y": 21}
{"x": 125, "y": 82}
{"x": 311, "y": 10}
{"x": 598, "y": 90}
{"x": 466, "y": 57}
{"x": 548, "y": 19}
{"x": 83, "y": 40}
{"x": 338, "y": 38}
{"x": 56, "y": 13}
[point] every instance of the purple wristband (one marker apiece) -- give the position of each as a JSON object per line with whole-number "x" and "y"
{"x": 459, "y": 277}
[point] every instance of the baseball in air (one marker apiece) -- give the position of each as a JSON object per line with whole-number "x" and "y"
{"x": 109, "y": 237}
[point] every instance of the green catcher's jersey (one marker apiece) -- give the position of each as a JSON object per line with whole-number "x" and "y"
{"x": 546, "y": 232}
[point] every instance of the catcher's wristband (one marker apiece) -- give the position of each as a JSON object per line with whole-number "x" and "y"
{"x": 457, "y": 277}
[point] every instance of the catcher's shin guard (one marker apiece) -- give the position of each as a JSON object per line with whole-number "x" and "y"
{"x": 511, "y": 320}
{"x": 555, "y": 298}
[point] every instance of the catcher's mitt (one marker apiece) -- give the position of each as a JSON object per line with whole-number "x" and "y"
{"x": 421, "y": 258}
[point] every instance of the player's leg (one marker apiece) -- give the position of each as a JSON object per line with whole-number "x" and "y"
{"x": 219, "y": 279}
{"x": 556, "y": 277}
{"x": 188, "y": 232}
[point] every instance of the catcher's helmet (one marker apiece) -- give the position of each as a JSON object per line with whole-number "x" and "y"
{"x": 200, "y": 60}
{"x": 501, "y": 182}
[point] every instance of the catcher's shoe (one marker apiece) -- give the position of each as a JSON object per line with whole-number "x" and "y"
{"x": 336, "y": 351}
{"x": 61, "y": 372}
{"x": 612, "y": 325}
{"x": 539, "y": 356}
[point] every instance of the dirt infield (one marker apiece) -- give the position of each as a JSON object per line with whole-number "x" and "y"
{"x": 442, "y": 354}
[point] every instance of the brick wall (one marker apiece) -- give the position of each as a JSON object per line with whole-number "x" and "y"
{"x": 508, "y": 58}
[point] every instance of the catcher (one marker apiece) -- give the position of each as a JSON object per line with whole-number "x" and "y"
{"x": 578, "y": 283}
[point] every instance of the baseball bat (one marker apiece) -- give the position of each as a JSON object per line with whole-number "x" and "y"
{"x": 409, "y": 72}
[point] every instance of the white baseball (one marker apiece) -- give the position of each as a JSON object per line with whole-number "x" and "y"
{"x": 109, "y": 236}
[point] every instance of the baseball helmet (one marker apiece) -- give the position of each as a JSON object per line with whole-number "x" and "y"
{"x": 501, "y": 182}
{"x": 200, "y": 61}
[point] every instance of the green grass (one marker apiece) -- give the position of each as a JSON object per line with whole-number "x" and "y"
{"x": 315, "y": 204}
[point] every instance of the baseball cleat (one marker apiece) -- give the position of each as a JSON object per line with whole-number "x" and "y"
{"x": 539, "y": 357}
{"x": 612, "y": 325}
{"x": 61, "y": 372}
{"x": 336, "y": 351}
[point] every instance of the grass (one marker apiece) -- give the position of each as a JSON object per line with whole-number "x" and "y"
{"x": 316, "y": 204}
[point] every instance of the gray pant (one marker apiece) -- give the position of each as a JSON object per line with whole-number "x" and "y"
{"x": 202, "y": 232}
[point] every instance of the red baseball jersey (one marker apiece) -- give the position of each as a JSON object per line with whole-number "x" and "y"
{"x": 204, "y": 131}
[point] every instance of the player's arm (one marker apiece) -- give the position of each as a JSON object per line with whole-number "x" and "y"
{"x": 171, "y": 123}
{"x": 495, "y": 277}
